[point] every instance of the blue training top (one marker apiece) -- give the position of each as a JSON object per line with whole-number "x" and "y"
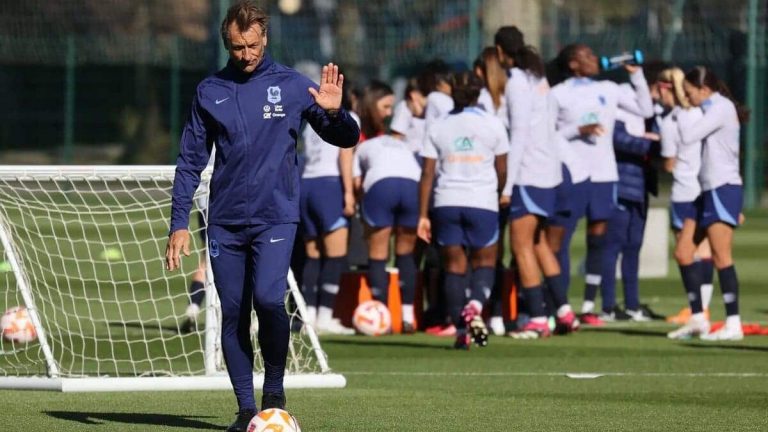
{"x": 254, "y": 121}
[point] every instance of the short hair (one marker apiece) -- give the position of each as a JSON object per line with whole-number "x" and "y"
{"x": 245, "y": 14}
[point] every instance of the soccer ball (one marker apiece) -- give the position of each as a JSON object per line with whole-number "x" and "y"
{"x": 16, "y": 325}
{"x": 274, "y": 420}
{"x": 372, "y": 318}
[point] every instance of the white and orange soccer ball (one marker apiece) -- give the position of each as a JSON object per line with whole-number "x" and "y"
{"x": 372, "y": 318}
{"x": 274, "y": 420}
{"x": 16, "y": 325}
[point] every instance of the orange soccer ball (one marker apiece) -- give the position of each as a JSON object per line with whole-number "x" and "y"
{"x": 372, "y": 318}
{"x": 274, "y": 420}
{"x": 16, "y": 325}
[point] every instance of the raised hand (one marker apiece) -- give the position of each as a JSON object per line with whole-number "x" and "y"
{"x": 328, "y": 96}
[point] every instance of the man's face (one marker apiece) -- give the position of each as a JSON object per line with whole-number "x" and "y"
{"x": 246, "y": 49}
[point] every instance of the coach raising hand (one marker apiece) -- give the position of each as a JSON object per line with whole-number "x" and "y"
{"x": 252, "y": 111}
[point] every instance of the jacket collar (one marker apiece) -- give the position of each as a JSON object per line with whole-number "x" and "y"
{"x": 236, "y": 74}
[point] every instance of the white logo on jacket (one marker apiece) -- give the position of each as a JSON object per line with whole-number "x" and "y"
{"x": 273, "y": 94}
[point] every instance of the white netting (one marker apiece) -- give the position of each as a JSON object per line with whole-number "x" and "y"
{"x": 90, "y": 244}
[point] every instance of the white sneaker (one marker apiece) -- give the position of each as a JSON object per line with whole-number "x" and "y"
{"x": 496, "y": 323}
{"x": 637, "y": 316}
{"x": 694, "y": 327}
{"x": 725, "y": 333}
{"x": 334, "y": 327}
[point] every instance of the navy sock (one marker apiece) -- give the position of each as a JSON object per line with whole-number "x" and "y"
{"x": 455, "y": 296}
{"x": 378, "y": 279}
{"x": 607, "y": 285}
{"x": 309, "y": 280}
{"x": 564, "y": 259}
{"x": 406, "y": 267}
{"x": 330, "y": 279}
{"x": 557, "y": 290}
{"x": 274, "y": 335}
{"x": 482, "y": 283}
{"x": 534, "y": 301}
{"x": 197, "y": 292}
{"x": 595, "y": 248}
{"x": 707, "y": 271}
{"x": 729, "y": 285}
{"x": 691, "y": 275}
{"x": 630, "y": 268}
{"x": 495, "y": 302}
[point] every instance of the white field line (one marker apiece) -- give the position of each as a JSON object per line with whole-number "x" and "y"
{"x": 576, "y": 375}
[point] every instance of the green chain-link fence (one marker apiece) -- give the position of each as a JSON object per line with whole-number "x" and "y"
{"x": 108, "y": 81}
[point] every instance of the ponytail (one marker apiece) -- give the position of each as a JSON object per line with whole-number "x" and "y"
{"x": 510, "y": 39}
{"x": 674, "y": 77}
{"x": 701, "y": 76}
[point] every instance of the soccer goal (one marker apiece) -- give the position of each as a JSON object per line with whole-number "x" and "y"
{"x": 83, "y": 250}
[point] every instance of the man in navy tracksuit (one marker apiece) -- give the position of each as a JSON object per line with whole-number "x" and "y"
{"x": 252, "y": 112}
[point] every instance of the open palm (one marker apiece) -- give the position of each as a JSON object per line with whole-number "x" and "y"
{"x": 328, "y": 96}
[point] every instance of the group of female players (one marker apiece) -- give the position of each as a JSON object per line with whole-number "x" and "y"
{"x": 468, "y": 153}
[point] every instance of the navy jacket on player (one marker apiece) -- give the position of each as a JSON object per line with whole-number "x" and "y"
{"x": 637, "y": 177}
{"x": 254, "y": 121}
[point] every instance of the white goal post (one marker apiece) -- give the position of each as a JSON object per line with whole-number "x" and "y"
{"x": 82, "y": 248}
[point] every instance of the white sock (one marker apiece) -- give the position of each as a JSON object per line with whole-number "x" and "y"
{"x": 540, "y": 320}
{"x": 587, "y": 307}
{"x": 311, "y": 317}
{"x": 563, "y": 310}
{"x": 408, "y": 313}
{"x": 324, "y": 315}
{"x": 192, "y": 311}
{"x": 733, "y": 322}
{"x": 706, "y": 295}
{"x": 698, "y": 317}
{"x": 477, "y": 305}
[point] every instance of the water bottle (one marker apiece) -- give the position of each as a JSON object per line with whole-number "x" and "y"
{"x": 628, "y": 57}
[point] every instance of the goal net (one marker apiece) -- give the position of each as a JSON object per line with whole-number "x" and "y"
{"x": 83, "y": 250}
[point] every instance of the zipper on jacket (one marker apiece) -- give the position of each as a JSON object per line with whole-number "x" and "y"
{"x": 244, "y": 126}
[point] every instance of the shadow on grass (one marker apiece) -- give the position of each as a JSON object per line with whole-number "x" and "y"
{"x": 625, "y": 331}
{"x": 385, "y": 342}
{"x": 138, "y": 325}
{"x": 96, "y": 418}
{"x": 728, "y": 347}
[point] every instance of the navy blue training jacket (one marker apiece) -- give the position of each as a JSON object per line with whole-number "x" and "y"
{"x": 637, "y": 177}
{"x": 254, "y": 122}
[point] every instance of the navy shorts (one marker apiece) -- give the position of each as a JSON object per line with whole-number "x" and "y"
{"x": 532, "y": 200}
{"x": 465, "y": 226}
{"x": 722, "y": 205}
{"x": 680, "y": 211}
{"x": 392, "y": 202}
{"x": 601, "y": 201}
{"x": 322, "y": 206}
{"x": 570, "y": 201}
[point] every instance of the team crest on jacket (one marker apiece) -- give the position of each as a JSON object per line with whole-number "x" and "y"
{"x": 273, "y": 94}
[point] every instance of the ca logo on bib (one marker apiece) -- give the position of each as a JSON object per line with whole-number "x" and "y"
{"x": 273, "y": 94}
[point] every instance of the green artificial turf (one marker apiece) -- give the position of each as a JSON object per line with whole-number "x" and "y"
{"x": 417, "y": 383}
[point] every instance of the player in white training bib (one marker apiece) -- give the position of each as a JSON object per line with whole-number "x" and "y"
{"x": 684, "y": 162}
{"x": 586, "y": 112}
{"x": 469, "y": 149}
{"x": 722, "y": 191}
{"x": 534, "y": 171}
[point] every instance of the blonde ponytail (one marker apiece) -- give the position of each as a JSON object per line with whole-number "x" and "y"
{"x": 676, "y": 77}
